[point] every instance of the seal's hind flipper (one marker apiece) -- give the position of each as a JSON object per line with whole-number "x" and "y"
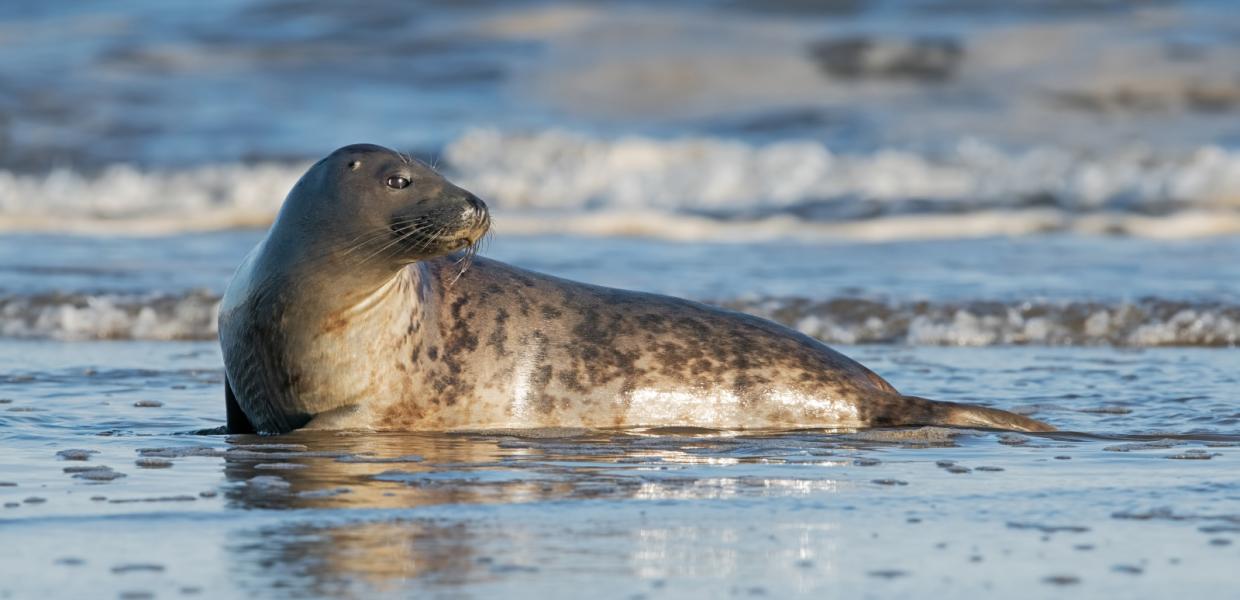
{"x": 237, "y": 421}
{"x": 896, "y": 410}
{"x": 970, "y": 415}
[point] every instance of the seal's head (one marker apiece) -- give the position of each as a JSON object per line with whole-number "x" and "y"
{"x": 371, "y": 208}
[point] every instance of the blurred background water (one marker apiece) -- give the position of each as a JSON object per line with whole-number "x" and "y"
{"x": 1033, "y": 204}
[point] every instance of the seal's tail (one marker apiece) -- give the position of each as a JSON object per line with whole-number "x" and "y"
{"x": 912, "y": 410}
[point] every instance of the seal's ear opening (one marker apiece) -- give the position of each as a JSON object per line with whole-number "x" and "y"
{"x": 355, "y": 165}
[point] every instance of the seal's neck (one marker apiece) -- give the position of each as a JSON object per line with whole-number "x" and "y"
{"x": 397, "y": 296}
{"x": 311, "y": 333}
{"x": 323, "y": 287}
{"x": 341, "y": 353}
{"x": 325, "y": 308}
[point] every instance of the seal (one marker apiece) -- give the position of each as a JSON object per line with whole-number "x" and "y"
{"x": 364, "y": 307}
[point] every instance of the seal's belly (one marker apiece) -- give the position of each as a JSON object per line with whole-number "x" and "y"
{"x": 550, "y": 389}
{"x": 553, "y": 354}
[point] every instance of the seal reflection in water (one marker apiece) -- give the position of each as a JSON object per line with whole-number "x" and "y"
{"x": 364, "y": 308}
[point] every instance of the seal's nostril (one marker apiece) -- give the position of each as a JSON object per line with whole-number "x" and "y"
{"x": 475, "y": 203}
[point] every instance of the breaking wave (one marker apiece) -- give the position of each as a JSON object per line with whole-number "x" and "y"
{"x": 126, "y": 199}
{"x": 705, "y": 188}
{"x": 1143, "y": 323}
{"x": 557, "y": 169}
{"x": 186, "y": 316}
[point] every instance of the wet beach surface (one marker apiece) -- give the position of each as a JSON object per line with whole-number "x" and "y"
{"x": 109, "y": 491}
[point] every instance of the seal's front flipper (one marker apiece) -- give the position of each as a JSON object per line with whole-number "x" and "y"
{"x": 237, "y": 421}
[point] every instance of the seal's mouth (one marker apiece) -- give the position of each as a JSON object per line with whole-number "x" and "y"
{"x": 458, "y": 226}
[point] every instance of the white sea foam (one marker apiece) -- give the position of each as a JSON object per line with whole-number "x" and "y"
{"x": 125, "y": 199}
{"x": 191, "y": 316}
{"x": 1144, "y": 323}
{"x": 701, "y": 188}
{"x": 558, "y": 169}
{"x": 188, "y": 316}
{"x": 1186, "y": 224}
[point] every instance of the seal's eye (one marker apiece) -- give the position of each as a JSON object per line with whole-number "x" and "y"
{"x": 397, "y": 182}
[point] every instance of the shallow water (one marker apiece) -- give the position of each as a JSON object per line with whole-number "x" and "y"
{"x": 1136, "y": 498}
{"x": 1054, "y": 290}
